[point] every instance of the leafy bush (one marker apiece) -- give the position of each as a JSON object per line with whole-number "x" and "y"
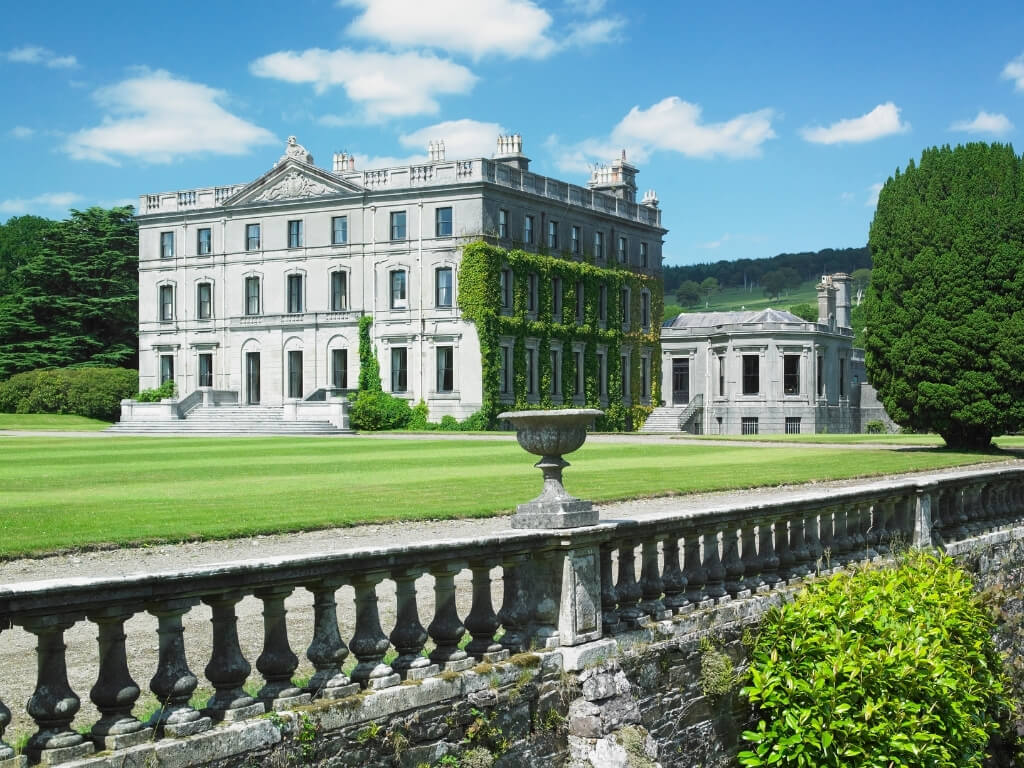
{"x": 449, "y": 423}
{"x": 875, "y": 427}
{"x": 475, "y": 422}
{"x": 881, "y": 668}
{"x": 167, "y": 389}
{"x": 92, "y": 392}
{"x": 373, "y": 410}
{"x": 418, "y": 420}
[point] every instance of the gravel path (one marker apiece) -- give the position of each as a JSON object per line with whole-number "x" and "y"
{"x": 17, "y": 658}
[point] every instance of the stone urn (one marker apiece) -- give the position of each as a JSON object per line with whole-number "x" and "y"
{"x": 550, "y": 434}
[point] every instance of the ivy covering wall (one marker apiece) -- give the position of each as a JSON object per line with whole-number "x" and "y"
{"x": 480, "y": 302}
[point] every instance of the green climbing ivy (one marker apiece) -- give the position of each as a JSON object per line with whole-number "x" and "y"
{"x": 369, "y": 368}
{"x": 480, "y": 302}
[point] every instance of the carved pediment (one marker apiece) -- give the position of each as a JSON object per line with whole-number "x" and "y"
{"x": 291, "y": 179}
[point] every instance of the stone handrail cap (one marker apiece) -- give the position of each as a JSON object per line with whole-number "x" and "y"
{"x": 566, "y": 415}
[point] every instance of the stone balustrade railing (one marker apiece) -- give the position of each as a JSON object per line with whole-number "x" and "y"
{"x": 559, "y": 588}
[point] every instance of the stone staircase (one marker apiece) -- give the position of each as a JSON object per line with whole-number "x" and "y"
{"x": 230, "y": 421}
{"x": 664, "y": 419}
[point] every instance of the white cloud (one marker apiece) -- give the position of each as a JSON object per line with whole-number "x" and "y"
{"x": 586, "y": 7}
{"x": 21, "y": 132}
{"x": 156, "y": 117}
{"x": 512, "y": 28}
{"x": 715, "y": 243}
{"x": 1015, "y": 71}
{"x": 846, "y": 196}
{"x": 883, "y": 120}
{"x": 33, "y": 54}
{"x": 385, "y": 84}
{"x": 595, "y": 32}
{"x": 462, "y": 138}
{"x": 873, "y": 191}
{"x": 49, "y": 200}
{"x": 985, "y": 122}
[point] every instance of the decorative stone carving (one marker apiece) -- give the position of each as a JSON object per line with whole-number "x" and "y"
{"x": 295, "y": 151}
{"x": 294, "y": 184}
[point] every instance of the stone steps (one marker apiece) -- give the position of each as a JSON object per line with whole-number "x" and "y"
{"x": 664, "y": 419}
{"x": 230, "y": 420}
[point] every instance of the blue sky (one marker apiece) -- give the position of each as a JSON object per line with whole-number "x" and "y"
{"x": 763, "y": 127}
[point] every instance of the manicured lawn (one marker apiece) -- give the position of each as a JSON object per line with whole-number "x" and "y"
{"x": 66, "y": 492}
{"x": 50, "y": 421}
{"x": 1005, "y": 441}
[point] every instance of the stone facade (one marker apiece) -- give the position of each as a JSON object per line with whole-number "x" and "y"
{"x": 257, "y": 288}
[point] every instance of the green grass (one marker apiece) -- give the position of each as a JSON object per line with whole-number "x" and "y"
{"x": 46, "y": 422}
{"x": 736, "y": 298}
{"x": 76, "y": 492}
{"x": 1005, "y": 441}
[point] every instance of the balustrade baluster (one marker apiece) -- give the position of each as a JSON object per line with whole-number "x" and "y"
{"x": 693, "y": 568}
{"x": 802, "y": 561}
{"x": 228, "y": 670}
{"x": 826, "y": 537}
{"x": 732, "y": 565}
{"x": 514, "y": 613}
{"x": 766, "y": 553}
{"x": 868, "y": 521}
{"x": 482, "y": 622}
{"x": 855, "y": 527}
{"x": 627, "y": 587}
{"x": 53, "y": 705}
{"x": 672, "y": 576}
{"x": 327, "y": 651}
{"x": 369, "y": 644}
{"x": 752, "y": 563}
{"x": 446, "y": 630}
{"x": 784, "y": 553}
{"x": 651, "y": 583}
{"x": 115, "y": 692}
{"x": 610, "y": 623}
{"x": 973, "y": 507}
{"x": 174, "y": 682}
{"x": 6, "y": 750}
{"x": 409, "y": 636}
{"x": 1003, "y": 503}
{"x": 959, "y": 519}
{"x": 842, "y": 543}
{"x": 883, "y": 514}
{"x": 985, "y": 510}
{"x": 714, "y": 587}
{"x": 812, "y": 541}
{"x": 277, "y": 662}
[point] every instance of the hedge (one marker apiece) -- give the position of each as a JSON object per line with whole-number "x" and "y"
{"x": 93, "y": 392}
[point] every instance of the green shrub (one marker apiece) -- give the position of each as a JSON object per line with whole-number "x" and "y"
{"x": 885, "y": 667}
{"x": 167, "y": 389}
{"x": 475, "y": 422}
{"x": 93, "y": 392}
{"x": 449, "y": 423}
{"x": 373, "y": 410}
{"x": 875, "y": 427}
{"x": 418, "y": 420}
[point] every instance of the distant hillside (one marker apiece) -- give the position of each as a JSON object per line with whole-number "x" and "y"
{"x": 746, "y": 273}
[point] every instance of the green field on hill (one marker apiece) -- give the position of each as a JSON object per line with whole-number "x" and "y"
{"x": 737, "y": 298}
{"x": 60, "y": 492}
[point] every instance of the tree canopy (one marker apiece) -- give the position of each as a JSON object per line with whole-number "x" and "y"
{"x": 945, "y": 305}
{"x": 69, "y": 291}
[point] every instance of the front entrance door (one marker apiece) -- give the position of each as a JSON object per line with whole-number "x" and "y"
{"x": 680, "y": 380}
{"x": 252, "y": 377}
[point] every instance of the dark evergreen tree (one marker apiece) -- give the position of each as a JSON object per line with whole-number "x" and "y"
{"x": 74, "y": 300}
{"x": 945, "y": 306}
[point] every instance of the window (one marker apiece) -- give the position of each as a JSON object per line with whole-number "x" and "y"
{"x": 602, "y": 375}
{"x": 339, "y": 291}
{"x": 204, "y": 241}
{"x": 579, "y": 302}
{"x": 339, "y": 230}
{"x": 577, "y": 358}
{"x": 166, "y": 368}
{"x": 252, "y": 237}
{"x": 502, "y": 223}
{"x": 556, "y": 372}
{"x": 443, "y": 222}
{"x": 791, "y": 374}
{"x": 721, "y": 375}
{"x": 445, "y": 369}
{"x": 552, "y": 235}
{"x": 252, "y": 295}
{"x": 643, "y": 254}
{"x": 531, "y": 292}
{"x": 204, "y": 301}
{"x": 339, "y": 368}
{"x": 528, "y": 229}
{"x": 748, "y": 425}
{"x": 398, "y": 225}
{"x": 821, "y": 375}
{"x": 751, "y": 375}
{"x": 506, "y": 370}
{"x": 531, "y": 371}
{"x": 624, "y": 301}
{"x": 622, "y": 251}
{"x": 599, "y": 245}
{"x": 842, "y": 377}
{"x": 295, "y": 373}
{"x": 645, "y": 377}
{"x": 575, "y": 240}
{"x": 206, "y": 369}
{"x": 602, "y": 304}
{"x": 443, "y": 284}
{"x": 556, "y": 299}
{"x": 399, "y": 372}
{"x": 398, "y": 297}
{"x": 645, "y": 310}
{"x": 624, "y": 375}
{"x": 294, "y": 293}
{"x": 505, "y": 287}
{"x": 166, "y": 302}
{"x": 792, "y": 425}
{"x": 166, "y": 245}
{"x": 295, "y": 233}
